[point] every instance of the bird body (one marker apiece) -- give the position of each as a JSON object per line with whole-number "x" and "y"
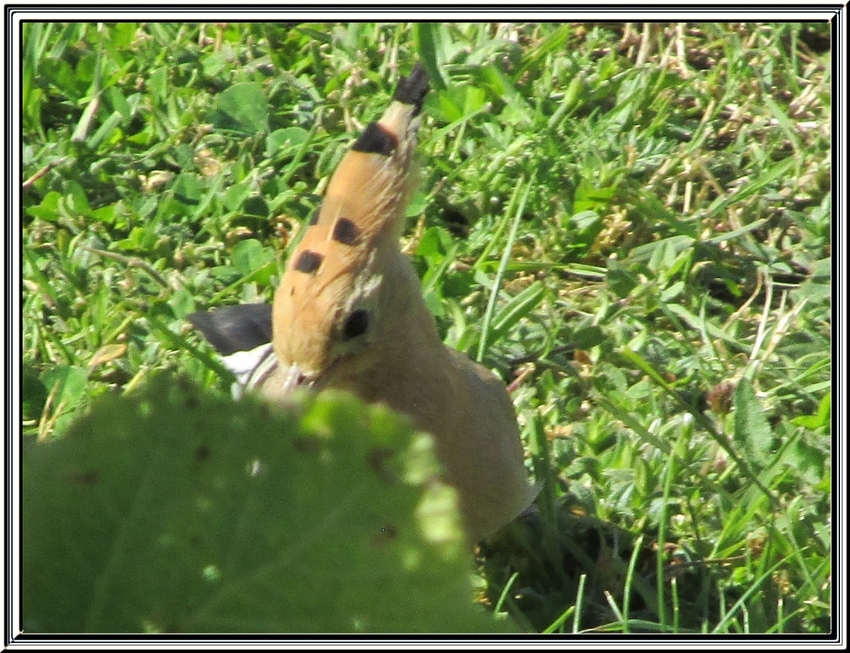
{"x": 349, "y": 314}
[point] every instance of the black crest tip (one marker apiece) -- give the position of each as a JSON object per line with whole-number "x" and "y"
{"x": 413, "y": 88}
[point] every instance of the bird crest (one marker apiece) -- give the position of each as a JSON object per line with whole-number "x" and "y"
{"x": 329, "y": 302}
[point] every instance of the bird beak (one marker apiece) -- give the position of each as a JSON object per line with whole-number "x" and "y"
{"x": 295, "y": 377}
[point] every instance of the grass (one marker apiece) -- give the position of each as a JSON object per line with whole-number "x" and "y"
{"x": 630, "y": 223}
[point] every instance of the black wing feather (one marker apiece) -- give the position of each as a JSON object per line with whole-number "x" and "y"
{"x": 235, "y": 328}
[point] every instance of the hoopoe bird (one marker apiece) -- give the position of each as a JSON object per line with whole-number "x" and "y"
{"x": 349, "y": 314}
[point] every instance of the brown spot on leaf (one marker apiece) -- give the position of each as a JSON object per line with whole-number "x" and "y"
{"x": 90, "y": 477}
{"x": 386, "y": 535}
{"x": 202, "y": 453}
{"x": 305, "y": 445}
{"x": 377, "y": 459}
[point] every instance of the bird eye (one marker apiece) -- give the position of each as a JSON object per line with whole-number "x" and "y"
{"x": 356, "y": 324}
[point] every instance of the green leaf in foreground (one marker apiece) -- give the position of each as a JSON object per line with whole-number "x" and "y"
{"x": 171, "y": 511}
